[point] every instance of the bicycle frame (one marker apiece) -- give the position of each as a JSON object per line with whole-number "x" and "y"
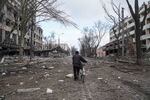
{"x": 82, "y": 74}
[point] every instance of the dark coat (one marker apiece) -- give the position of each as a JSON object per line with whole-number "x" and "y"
{"x": 77, "y": 61}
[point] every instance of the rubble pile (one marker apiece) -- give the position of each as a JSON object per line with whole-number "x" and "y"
{"x": 53, "y": 79}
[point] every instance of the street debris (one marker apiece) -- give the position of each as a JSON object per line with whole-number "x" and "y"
{"x": 119, "y": 77}
{"x": 8, "y": 85}
{"x": 21, "y": 83}
{"x": 105, "y": 81}
{"x": 2, "y": 60}
{"x": 36, "y": 82}
{"x": 61, "y": 80}
{"x": 12, "y": 73}
{"x": 113, "y": 74}
{"x": 24, "y": 68}
{"x": 49, "y": 91}
{"x": 59, "y": 71}
{"x": 99, "y": 78}
{"x": 135, "y": 81}
{"x": 51, "y": 67}
{"x": 3, "y": 74}
{"x": 27, "y": 90}
{"x": 112, "y": 66}
{"x": 2, "y": 97}
{"x": 43, "y": 67}
{"x": 31, "y": 62}
{"x": 46, "y": 75}
{"x": 69, "y": 75}
{"x": 118, "y": 87}
{"x": 137, "y": 96}
{"x": 65, "y": 63}
{"x": 31, "y": 78}
{"x": 51, "y": 79}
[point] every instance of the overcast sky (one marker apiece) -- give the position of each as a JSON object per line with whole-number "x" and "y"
{"x": 83, "y": 13}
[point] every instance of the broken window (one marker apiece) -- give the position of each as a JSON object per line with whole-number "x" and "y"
{"x": 34, "y": 43}
{"x": 8, "y": 22}
{"x": 14, "y": 38}
{"x": 149, "y": 31}
{"x": 131, "y": 29}
{"x": 7, "y": 34}
{"x": 28, "y": 42}
{"x": 0, "y": 35}
{"x": 143, "y": 42}
{"x": 1, "y": 17}
{"x": 148, "y": 20}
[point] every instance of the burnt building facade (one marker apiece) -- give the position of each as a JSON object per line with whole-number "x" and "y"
{"x": 9, "y": 36}
{"x": 129, "y": 26}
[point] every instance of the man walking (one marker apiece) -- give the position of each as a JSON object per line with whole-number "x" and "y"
{"x": 77, "y": 65}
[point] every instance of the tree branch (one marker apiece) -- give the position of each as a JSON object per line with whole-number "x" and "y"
{"x": 131, "y": 9}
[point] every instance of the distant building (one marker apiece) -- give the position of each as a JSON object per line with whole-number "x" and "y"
{"x": 129, "y": 25}
{"x": 100, "y": 52}
{"x": 37, "y": 38}
{"x": 50, "y": 46}
{"x": 65, "y": 46}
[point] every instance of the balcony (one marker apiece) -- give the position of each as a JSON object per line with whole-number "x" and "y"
{"x": 132, "y": 32}
{"x": 148, "y": 16}
{"x": 143, "y": 46}
{"x": 147, "y": 26}
{"x": 144, "y": 37}
{"x": 131, "y": 25}
{"x": 142, "y": 10}
{"x": 148, "y": 45}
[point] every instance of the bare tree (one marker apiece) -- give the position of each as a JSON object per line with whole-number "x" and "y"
{"x": 88, "y": 41}
{"x": 46, "y": 42}
{"x": 100, "y": 30}
{"x": 73, "y": 50}
{"x": 135, "y": 13}
{"x": 2, "y": 3}
{"x": 52, "y": 39}
{"x": 49, "y": 40}
{"x": 91, "y": 39}
{"x": 115, "y": 20}
{"x": 82, "y": 48}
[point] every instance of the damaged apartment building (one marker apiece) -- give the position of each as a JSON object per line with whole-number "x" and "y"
{"x": 129, "y": 27}
{"x": 9, "y": 40}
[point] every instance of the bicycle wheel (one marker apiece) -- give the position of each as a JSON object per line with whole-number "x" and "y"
{"x": 83, "y": 78}
{"x": 80, "y": 73}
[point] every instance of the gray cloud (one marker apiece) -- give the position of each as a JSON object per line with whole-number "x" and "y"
{"x": 84, "y": 13}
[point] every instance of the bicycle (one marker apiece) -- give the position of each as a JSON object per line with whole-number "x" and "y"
{"x": 82, "y": 74}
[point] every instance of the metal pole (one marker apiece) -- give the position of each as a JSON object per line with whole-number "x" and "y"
{"x": 31, "y": 41}
{"x": 59, "y": 40}
{"x": 123, "y": 44}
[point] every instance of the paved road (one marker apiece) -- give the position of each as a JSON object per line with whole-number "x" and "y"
{"x": 102, "y": 82}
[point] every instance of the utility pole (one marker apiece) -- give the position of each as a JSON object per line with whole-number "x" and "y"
{"x": 123, "y": 42}
{"x": 31, "y": 39}
{"x": 59, "y": 41}
{"x": 119, "y": 29}
{"x": 59, "y": 38}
